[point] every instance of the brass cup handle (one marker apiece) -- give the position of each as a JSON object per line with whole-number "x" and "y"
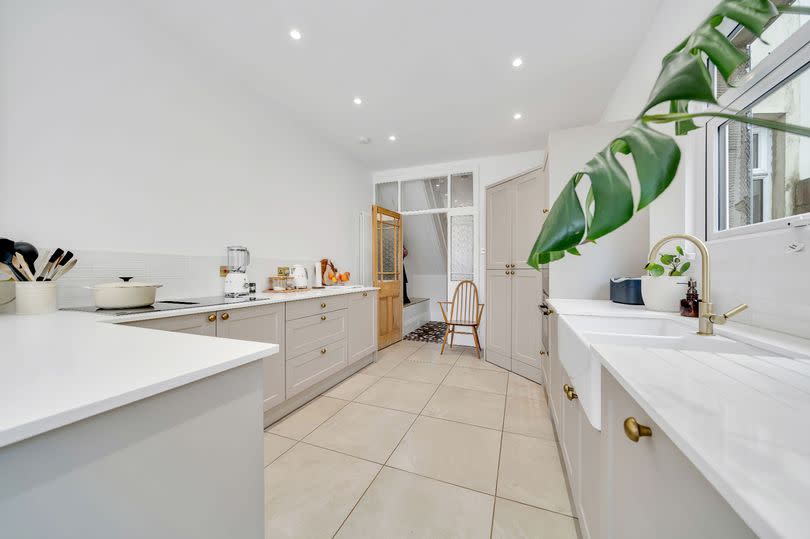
{"x": 323, "y": 317}
{"x": 323, "y": 350}
{"x": 323, "y": 305}
{"x": 634, "y": 430}
{"x": 225, "y": 316}
{"x": 212, "y": 317}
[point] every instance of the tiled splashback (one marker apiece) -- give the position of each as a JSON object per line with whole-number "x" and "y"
{"x": 181, "y": 276}
{"x": 758, "y": 271}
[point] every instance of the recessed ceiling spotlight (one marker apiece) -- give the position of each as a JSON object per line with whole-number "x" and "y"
{"x": 517, "y": 62}
{"x": 364, "y": 140}
{"x": 517, "y": 116}
{"x": 357, "y": 100}
{"x": 392, "y": 138}
{"x": 295, "y": 34}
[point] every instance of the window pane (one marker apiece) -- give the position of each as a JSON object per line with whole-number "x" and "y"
{"x": 757, "y": 50}
{"x": 461, "y": 186}
{"x": 428, "y": 194}
{"x": 386, "y": 195}
{"x": 763, "y": 174}
{"x": 462, "y": 245}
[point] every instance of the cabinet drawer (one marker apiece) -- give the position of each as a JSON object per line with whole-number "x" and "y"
{"x": 310, "y": 368}
{"x": 307, "y": 334}
{"x": 308, "y": 307}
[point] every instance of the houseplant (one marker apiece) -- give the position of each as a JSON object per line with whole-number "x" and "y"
{"x": 663, "y": 287}
{"x": 684, "y": 79}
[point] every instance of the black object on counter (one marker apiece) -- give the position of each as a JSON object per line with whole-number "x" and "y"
{"x": 690, "y": 306}
{"x": 626, "y": 290}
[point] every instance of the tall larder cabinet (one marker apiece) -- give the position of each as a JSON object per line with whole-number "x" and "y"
{"x": 515, "y": 210}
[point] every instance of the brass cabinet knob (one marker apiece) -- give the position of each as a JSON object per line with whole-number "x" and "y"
{"x": 545, "y": 210}
{"x": 543, "y": 352}
{"x": 506, "y": 272}
{"x": 225, "y": 316}
{"x": 512, "y": 272}
{"x": 506, "y": 265}
{"x": 323, "y": 350}
{"x": 212, "y": 317}
{"x": 323, "y": 305}
{"x": 634, "y": 430}
{"x": 569, "y": 392}
{"x": 365, "y": 294}
{"x": 323, "y": 317}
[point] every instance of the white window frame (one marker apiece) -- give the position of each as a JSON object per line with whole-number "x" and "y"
{"x": 787, "y": 60}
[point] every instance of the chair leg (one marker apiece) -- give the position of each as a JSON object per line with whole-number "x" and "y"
{"x": 477, "y": 343}
{"x": 444, "y": 340}
{"x": 452, "y": 335}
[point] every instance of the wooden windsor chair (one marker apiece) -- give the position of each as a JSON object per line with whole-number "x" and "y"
{"x": 465, "y": 312}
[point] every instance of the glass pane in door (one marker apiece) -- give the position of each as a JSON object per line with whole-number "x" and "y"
{"x": 386, "y": 195}
{"x": 427, "y": 194}
{"x": 461, "y": 190}
{"x": 462, "y": 246}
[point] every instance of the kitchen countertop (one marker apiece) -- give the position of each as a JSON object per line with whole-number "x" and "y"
{"x": 740, "y": 419}
{"x": 63, "y": 367}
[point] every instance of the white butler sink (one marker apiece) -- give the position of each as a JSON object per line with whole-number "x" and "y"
{"x": 576, "y": 334}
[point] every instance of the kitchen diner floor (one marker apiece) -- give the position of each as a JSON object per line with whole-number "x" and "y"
{"x": 419, "y": 444}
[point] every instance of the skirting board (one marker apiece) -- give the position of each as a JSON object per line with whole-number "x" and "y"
{"x": 290, "y": 405}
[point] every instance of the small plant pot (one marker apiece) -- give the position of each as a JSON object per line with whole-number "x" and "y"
{"x": 663, "y": 293}
{"x": 37, "y": 297}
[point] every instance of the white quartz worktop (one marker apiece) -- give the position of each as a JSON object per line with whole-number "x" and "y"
{"x": 740, "y": 419}
{"x": 63, "y": 367}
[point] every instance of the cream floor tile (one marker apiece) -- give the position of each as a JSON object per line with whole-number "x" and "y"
{"x": 275, "y": 446}
{"x": 517, "y": 521}
{"x": 467, "y": 406}
{"x": 398, "y": 394}
{"x": 309, "y": 491}
{"x": 477, "y": 379}
{"x": 402, "y": 505}
{"x": 431, "y": 353}
{"x": 383, "y": 365}
{"x": 352, "y": 386}
{"x": 306, "y": 419}
{"x": 419, "y": 372}
{"x": 406, "y": 345}
{"x": 529, "y": 417}
{"x": 531, "y": 473}
{"x": 464, "y": 455}
{"x": 471, "y": 362}
{"x": 521, "y": 387}
{"x": 364, "y": 431}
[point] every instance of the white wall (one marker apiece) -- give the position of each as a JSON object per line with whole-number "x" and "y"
{"x": 620, "y": 254}
{"x": 116, "y": 136}
{"x": 674, "y": 20}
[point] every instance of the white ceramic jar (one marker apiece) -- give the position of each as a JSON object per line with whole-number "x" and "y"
{"x": 36, "y": 297}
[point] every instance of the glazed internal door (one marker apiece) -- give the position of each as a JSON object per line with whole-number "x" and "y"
{"x": 387, "y": 263}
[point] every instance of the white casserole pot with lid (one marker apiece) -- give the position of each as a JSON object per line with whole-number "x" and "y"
{"x": 126, "y": 294}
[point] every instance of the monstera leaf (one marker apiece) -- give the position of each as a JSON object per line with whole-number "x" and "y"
{"x": 684, "y": 78}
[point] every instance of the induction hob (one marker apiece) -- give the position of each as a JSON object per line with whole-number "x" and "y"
{"x": 168, "y": 305}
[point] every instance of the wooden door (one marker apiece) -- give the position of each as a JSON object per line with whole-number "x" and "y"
{"x": 499, "y": 317}
{"x": 499, "y": 226}
{"x": 527, "y": 217}
{"x": 527, "y": 328}
{"x": 387, "y": 263}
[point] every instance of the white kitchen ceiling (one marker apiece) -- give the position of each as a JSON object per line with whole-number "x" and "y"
{"x": 437, "y": 74}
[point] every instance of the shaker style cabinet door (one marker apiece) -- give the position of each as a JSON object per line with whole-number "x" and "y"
{"x": 195, "y": 324}
{"x": 500, "y": 201}
{"x": 362, "y": 325}
{"x": 264, "y": 323}
{"x": 527, "y": 327}
{"x": 528, "y": 216}
{"x": 499, "y": 317}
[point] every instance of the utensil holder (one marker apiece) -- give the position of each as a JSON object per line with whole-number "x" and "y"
{"x": 36, "y": 297}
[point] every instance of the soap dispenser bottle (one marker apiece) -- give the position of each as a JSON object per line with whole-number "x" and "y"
{"x": 690, "y": 305}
